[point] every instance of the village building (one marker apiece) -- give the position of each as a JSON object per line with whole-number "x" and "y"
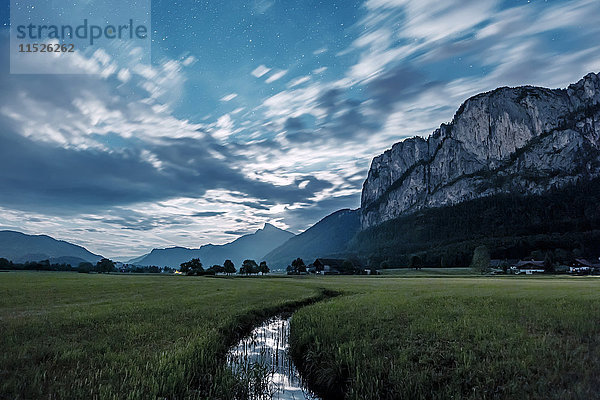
{"x": 529, "y": 267}
{"x": 328, "y": 266}
{"x": 581, "y": 266}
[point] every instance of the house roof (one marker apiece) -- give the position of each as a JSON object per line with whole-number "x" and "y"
{"x": 332, "y": 262}
{"x": 584, "y": 262}
{"x": 531, "y": 264}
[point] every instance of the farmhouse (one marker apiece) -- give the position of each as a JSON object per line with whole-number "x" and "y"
{"x": 581, "y": 266}
{"x": 328, "y": 266}
{"x": 529, "y": 267}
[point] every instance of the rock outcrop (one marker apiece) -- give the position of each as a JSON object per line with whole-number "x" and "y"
{"x": 526, "y": 140}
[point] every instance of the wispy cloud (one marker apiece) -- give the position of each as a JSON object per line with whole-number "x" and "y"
{"x": 276, "y": 76}
{"x": 229, "y": 97}
{"x": 260, "y": 71}
{"x": 299, "y": 81}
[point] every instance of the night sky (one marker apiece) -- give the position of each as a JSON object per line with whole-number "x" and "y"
{"x": 259, "y": 111}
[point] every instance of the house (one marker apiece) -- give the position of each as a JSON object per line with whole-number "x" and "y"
{"x": 581, "y": 266}
{"x": 498, "y": 267}
{"x": 328, "y": 266}
{"x": 370, "y": 271}
{"x": 529, "y": 267}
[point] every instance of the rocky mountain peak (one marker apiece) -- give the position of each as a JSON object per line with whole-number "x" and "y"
{"x": 524, "y": 139}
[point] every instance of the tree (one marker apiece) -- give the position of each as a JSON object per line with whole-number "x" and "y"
{"x": 249, "y": 267}
{"x": 444, "y": 261}
{"x": 549, "y": 263}
{"x": 481, "y": 259}
{"x": 298, "y": 265}
{"x": 228, "y": 267}
{"x": 347, "y": 267}
{"x": 85, "y": 267}
{"x": 105, "y": 265}
{"x": 5, "y": 264}
{"x": 415, "y": 262}
{"x": 505, "y": 267}
{"x": 217, "y": 269}
{"x": 263, "y": 268}
{"x": 192, "y": 267}
{"x": 211, "y": 270}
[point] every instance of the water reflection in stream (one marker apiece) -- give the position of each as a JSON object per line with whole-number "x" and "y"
{"x": 261, "y": 361}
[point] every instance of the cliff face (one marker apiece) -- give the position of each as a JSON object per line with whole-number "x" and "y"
{"x": 525, "y": 140}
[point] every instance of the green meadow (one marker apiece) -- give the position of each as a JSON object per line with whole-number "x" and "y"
{"x": 66, "y": 335}
{"x": 455, "y": 338}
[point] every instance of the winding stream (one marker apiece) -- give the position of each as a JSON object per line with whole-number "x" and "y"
{"x": 262, "y": 363}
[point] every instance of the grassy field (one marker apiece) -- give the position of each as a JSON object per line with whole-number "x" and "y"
{"x": 461, "y": 338}
{"x": 65, "y": 335}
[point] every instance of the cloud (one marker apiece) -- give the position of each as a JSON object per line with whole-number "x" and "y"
{"x": 208, "y": 214}
{"x": 239, "y": 232}
{"x": 401, "y": 83}
{"x": 83, "y": 146}
{"x": 262, "y": 6}
{"x": 276, "y": 76}
{"x": 229, "y": 97}
{"x": 299, "y": 81}
{"x": 260, "y": 71}
{"x": 189, "y": 61}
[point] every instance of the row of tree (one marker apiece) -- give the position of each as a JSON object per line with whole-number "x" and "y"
{"x": 44, "y": 265}
{"x": 346, "y": 267}
{"x": 297, "y": 267}
{"x": 563, "y": 222}
{"x": 249, "y": 267}
{"x": 552, "y": 260}
{"x": 103, "y": 266}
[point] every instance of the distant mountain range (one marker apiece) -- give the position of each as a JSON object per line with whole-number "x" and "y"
{"x": 327, "y": 238}
{"x": 252, "y": 246}
{"x": 19, "y": 247}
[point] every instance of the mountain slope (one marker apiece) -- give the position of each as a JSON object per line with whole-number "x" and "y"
{"x": 563, "y": 223}
{"x": 19, "y": 247}
{"x": 523, "y": 140}
{"x": 327, "y": 237}
{"x": 252, "y": 246}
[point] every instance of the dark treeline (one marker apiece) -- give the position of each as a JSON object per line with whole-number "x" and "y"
{"x": 563, "y": 222}
{"x": 103, "y": 266}
{"x": 44, "y": 265}
{"x": 194, "y": 267}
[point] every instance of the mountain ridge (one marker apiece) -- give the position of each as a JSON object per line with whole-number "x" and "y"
{"x": 326, "y": 238}
{"x": 20, "y": 247}
{"x": 250, "y": 246}
{"x": 525, "y": 139}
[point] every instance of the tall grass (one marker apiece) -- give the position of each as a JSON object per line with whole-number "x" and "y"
{"x": 66, "y": 335}
{"x": 70, "y": 336}
{"x": 454, "y": 338}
